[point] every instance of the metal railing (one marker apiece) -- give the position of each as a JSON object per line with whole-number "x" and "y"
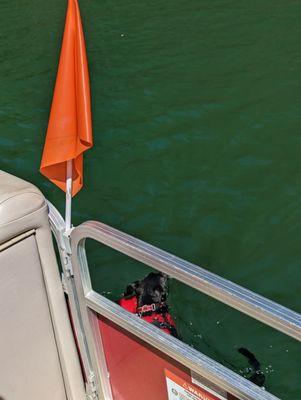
{"x": 86, "y": 302}
{"x": 244, "y": 300}
{"x": 97, "y": 385}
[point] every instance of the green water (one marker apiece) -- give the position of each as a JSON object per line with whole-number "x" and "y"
{"x": 196, "y": 112}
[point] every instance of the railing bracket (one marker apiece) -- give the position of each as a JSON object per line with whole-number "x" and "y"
{"x": 66, "y": 254}
{"x": 91, "y": 388}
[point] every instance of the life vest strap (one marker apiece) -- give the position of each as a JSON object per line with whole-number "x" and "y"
{"x": 146, "y": 308}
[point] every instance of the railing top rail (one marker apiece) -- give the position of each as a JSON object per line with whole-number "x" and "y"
{"x": 238, "y": 297}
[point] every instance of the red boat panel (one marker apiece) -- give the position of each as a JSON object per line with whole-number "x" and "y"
{"x": 136, "y": 369}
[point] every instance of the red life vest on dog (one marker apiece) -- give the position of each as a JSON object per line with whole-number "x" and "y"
{"x": 163, "y": 321}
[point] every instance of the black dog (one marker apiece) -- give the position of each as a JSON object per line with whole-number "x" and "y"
{"x": 151, "y": 289}
{"x": 148, "y": 299}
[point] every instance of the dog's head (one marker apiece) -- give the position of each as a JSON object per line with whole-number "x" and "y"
{"x": 151, "y": 289}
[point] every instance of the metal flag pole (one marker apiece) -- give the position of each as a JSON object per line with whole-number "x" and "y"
{"x": 68, "y": 196}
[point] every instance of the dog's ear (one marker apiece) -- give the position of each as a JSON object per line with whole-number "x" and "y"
{"x": 132, "y": 289}
{"x": 163, "y": 280}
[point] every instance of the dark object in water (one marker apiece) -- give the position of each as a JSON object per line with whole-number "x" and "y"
{"x": 257, "y": 376}
{"x": 148, "y": 299}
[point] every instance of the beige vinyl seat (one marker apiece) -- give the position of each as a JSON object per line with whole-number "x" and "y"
{"x": 38, "y": 355}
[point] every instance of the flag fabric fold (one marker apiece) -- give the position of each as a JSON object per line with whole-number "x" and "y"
{"x": 69, "y": 132}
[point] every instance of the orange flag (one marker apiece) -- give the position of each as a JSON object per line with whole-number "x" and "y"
{"x": 69, "y": 131}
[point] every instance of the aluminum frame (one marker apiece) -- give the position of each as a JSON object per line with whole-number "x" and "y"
{"x": 98, "y": 385}
{"x": 237, "y": 297}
